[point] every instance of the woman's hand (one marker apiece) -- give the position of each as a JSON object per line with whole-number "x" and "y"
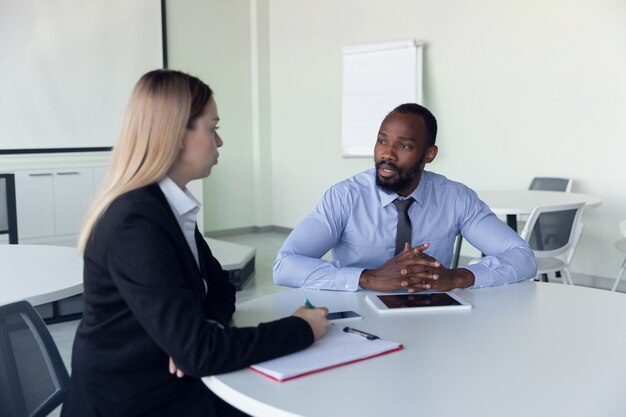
{"x": 316, "y": 317}
{"x": 175, "y": 370}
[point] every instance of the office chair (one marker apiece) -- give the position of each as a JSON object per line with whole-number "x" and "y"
{"x": 621, "y": 245}
{"x": 33, "y": 378}
{"x": 551, "y": 184}
{"x": 8, "y": 211}
{"x": 553, "y": 234}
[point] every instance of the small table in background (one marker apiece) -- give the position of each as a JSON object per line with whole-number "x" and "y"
{"x": 513, "y": 202}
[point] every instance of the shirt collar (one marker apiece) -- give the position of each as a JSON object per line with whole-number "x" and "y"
{"x": 418, "y": 194}
{"x": 181, "y": 201}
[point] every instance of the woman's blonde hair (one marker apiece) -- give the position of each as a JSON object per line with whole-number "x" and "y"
{"x": 164, "y": 103}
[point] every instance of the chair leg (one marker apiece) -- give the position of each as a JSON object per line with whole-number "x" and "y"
{"x": 567, "y": 277}
{"x": 619, "y": 276}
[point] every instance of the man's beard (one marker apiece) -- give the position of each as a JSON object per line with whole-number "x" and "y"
{"x": 404, "y": 177}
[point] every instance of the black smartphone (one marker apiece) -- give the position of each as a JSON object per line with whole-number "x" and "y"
{"x": 340, "y": 315}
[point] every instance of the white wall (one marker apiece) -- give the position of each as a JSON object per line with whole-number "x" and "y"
{"x": 520, "y": 89}
{"x": 212, "y": 40}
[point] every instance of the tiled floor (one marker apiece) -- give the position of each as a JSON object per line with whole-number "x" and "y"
{"x": 267, "y": 245}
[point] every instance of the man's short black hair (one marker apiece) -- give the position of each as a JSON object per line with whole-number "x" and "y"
{"x": 425, "y": 114}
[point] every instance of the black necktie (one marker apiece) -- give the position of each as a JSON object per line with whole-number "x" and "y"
{"x": 403, "y": 234}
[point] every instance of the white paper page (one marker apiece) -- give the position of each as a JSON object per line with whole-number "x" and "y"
{"x": 335, "y": 348}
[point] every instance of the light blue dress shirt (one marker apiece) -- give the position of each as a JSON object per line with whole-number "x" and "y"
{"x": 357, "y": 221}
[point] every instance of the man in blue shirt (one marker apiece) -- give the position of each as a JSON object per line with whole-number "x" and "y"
{"x": 357, "y": 220}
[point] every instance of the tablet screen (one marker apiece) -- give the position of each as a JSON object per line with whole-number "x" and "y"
{"x": 418, "y": 300}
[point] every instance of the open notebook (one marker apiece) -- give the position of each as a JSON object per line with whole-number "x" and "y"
{"x": 335, "y": 349}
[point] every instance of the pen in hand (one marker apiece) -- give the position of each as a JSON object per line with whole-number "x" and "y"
{"x": 315, "y": 317}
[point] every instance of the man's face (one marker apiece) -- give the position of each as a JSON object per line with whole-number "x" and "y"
{"x": 401, "y": 153}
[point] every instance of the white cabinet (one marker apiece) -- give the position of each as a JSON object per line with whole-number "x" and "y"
{"x": 73, "y": 192}
{"x": 99, "y": 175}
{"x": 34, "y": 198}
{"x": 51, "y": 203}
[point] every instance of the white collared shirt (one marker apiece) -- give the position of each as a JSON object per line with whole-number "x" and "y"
{"x": 185, "y": 207}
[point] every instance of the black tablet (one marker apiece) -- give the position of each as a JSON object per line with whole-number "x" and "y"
{"x": 386, "y": 303}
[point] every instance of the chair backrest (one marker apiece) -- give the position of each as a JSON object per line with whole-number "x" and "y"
{"x": 551, "y": 184}
{"x": 551, "y": 231}
{"x": 577, "y": 233}
{"x": 8, "y": 212}
{"x": 456, "y": 253}
{"x": 33, "y": 378}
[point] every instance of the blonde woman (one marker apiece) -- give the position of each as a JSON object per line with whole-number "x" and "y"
{"x": 157, "y": 304}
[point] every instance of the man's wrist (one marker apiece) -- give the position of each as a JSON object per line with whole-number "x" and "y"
{"x": 464, "y": 278}
{"x": 364, "y": 279}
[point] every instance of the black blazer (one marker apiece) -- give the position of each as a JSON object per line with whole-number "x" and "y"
{"x": 144, "y": 301}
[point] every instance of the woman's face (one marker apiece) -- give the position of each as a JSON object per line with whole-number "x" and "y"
{"x": 199, "y": 148}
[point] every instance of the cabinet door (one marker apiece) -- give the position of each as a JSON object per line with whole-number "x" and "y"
{"x": 99, "y": 174}
{"x": 34, "y": 195}
{"x": 73, "y": 193}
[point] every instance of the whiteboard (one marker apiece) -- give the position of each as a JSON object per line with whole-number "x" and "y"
{"x": 68, "y": 67}
{"x": 377, "y": 77}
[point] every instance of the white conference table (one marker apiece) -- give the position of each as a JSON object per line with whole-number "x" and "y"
{"x": 513, "y": 202}
{"x": 526, "y": 349}
{"x": 39, "y": 274}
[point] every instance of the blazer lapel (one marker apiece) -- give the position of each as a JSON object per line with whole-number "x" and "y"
{"x": 196, "y": 280}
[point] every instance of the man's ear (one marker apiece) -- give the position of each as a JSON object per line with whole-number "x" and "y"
{"x": 431, "y": 153}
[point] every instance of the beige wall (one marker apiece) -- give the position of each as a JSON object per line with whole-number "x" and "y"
{"x": 520, "y": 89}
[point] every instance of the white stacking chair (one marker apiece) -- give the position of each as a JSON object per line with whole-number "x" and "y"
{"x": 621, "y": 245}
{"x": 553, "y": 234}
{"x": 546, "y": 184}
